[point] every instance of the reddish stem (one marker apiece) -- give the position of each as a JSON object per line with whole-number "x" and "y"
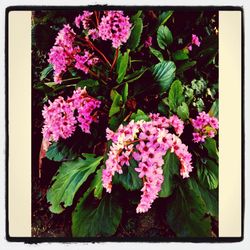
{"x": 115, "y": 59}
{"x": 96, "y": 18}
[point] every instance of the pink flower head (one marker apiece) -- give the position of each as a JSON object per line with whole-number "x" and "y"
{"x": 83, "y": 19}
{"x": 195, "y": 40}
{"x": 84, "y": 105}
{"x": 59, "y": 118}
{"x": 83, "y": 62}
{"x": 205, "y": 126}
{"x": 147, "y": 143}
{"x": 190, "y": 47}
{"x": 62, "y": 53}
{"x": 148, "y": 42}
{"x": 114, "y": 26}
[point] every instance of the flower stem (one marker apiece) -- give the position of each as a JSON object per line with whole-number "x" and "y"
{"x": 115, "y": 59}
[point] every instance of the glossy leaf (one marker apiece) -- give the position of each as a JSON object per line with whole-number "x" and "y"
{"x": 175, "y": 96}
{"x": 214, "y": 111}
{"x": 183, "y": 111}
{"x": 157, "y": 54}
{"x": 139, "y": 115}
{"x": 89, "y": 220}
{"x": 129, "y": 179}
{"x": 122, "y": 68}
{"x": 208, "y": 174}
{"x": 59, "y": 151}
{"x": 164, "y": 16}
{"x": 185, "y": 66}
{"x": 70, "y": 176}
{"x": 164, "y": 36}
{"x": 180, "y": 55}
{"x": 46, "y": 71}
{"x": 135, "y": 36}
{"x": 164, "y": 73}
{"x": 170, "y": 168}
{"x": 185, "y": 214}
{"x": 91, "y": 85}
{"x": 116, "y": 104}
{"x": 125, "y": 93}
{"x": 210, "y": 198}
{"x": 210, "y": 145}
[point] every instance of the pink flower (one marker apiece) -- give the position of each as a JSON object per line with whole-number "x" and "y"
{"x": 83, "y": 62}
{"x": 147, "y": 143}
{"x": 62, "y": 53}
{"x": 59, "y": 118}
{"x": 114, "y": 26}
{"x": 205, "y": 126}
{"x": 148, "y": 42}
{"x": 83, "y": 19}
{"x": 195, "y": 40}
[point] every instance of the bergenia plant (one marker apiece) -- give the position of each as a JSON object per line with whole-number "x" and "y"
{"x": 130, "y": 119}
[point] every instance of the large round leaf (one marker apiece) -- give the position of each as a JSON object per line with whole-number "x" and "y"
{"x": 164, "y": 36}
{"x": 185, "y": 214}
{"x": 89, "y": 220}
{"x": 164, "y": 73}
{"x": 70, "y": 176}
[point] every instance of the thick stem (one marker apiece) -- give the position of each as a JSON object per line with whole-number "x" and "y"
{"x": 96, "y": 18}
{"x": 92, "y": 46}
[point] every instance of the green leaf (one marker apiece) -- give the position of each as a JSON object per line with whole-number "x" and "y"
{"x": 170, "y": 168}
{"x": 135, "y": 36}
{"x": 59, "y": 151}
{"x": 214, "y": 111}
{"x": 164, "y": 36}
{"x": 91, "y": 85}
{"x": 46, "y": 71}
{"x": 96, "y": 184}
{"x": 157, "y": 54}
{"x": 139, "y": 115}
{"x": 164, "y": 16}
{"x": 180, "y": 55}
{"x": 164, "y": 73}
{"x": 175, "y": 96}
{"x": 208, "y": 174}
{"x": 116, "y": 105}
{"x": 70, "y": 176}
{"x": 125, "y": 93}
{"x": 185, "y": 66}
{"x": 51, "y": 84}
{"x": 129, "y": 179}
{"x": 210, "y": 145}
{"x": 122, "y": 68}
{"x": 210, "y": 198}
{"x": 183, "y": 111}
{"x": 89, "y": 220}
{"x": 135, "y": 75}
{"x": 185, "y": 214}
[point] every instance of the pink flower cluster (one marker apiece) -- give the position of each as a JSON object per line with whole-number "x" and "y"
{"x": 83, "y": 62}
{"x": 114, "y": 26}
{"x": 83, "y": 19}
{"x": 205, "y": 126}
{"x": 195, "y": 41}
{"x": 59, "y": 119}
{"x": 147, "y": 143}
{"x": 63, "y": 54}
